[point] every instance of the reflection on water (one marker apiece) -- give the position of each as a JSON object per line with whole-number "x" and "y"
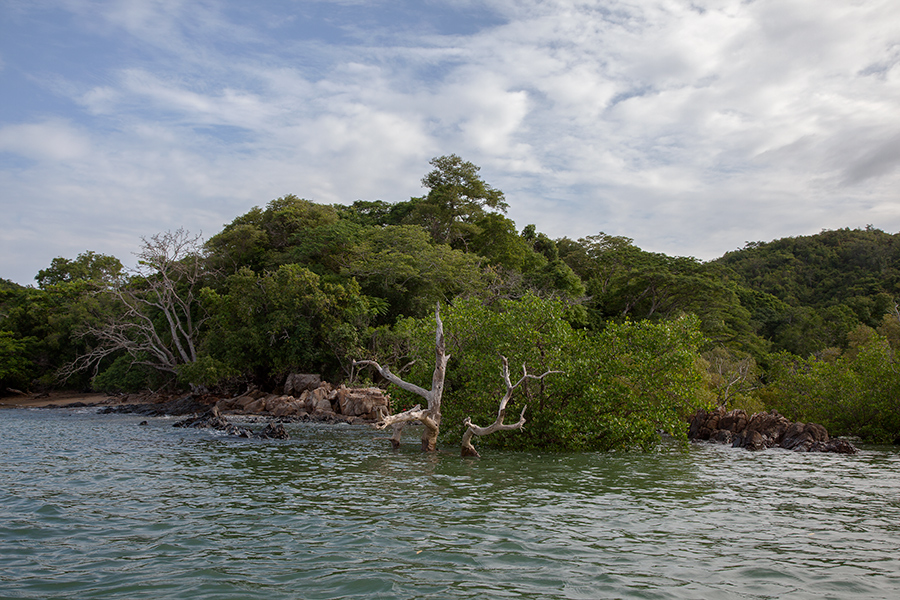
{"x": 96, "y": 506}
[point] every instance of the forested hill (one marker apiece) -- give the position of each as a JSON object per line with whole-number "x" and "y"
{"x": 808, "y": 293}
{"x": 297, "y": 286}
{"x": 846, "y": 266}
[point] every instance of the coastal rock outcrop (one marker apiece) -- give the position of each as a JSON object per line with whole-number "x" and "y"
{"x": 763, "y": 430}
{"x": 322, "y": 403}
{"x": 186, "y": 405}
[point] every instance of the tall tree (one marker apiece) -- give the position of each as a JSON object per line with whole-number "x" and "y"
{"x": 159, "y": 317}
{"x": 457, "y": 199}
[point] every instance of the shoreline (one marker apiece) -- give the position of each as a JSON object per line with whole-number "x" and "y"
{"x": 57, "y": 399}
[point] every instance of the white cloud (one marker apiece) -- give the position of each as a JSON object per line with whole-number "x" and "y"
{"x": 53, "y": 140}
{"x": 690, "y": 126}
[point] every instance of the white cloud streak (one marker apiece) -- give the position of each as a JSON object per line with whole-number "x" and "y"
{"x": 690, "y": 126}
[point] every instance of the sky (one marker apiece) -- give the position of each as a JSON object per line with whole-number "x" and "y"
{"x": 692, "y": 127}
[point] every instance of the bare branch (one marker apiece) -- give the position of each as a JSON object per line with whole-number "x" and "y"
{"x": 155, "y": 323}
{"x": 498, "y": 425}
{"x": 431, "y": 416}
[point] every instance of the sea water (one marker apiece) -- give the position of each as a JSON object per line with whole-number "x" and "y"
{"x": 101, "y": 506}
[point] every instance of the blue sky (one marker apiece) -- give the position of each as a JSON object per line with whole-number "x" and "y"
{"x": 691, "y": 127}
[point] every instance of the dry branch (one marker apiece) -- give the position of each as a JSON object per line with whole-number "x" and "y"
{"x": 430, "y": 416}
{"x": 498, "y": 425}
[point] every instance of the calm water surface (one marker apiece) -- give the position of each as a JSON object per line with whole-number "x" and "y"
{"x": 96, "y": 506}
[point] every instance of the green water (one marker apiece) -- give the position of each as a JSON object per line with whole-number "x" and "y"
{"x": 96, "y": 506}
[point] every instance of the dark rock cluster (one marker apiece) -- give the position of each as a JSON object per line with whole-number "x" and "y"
{"x": 213, "y": 420}
{"x": 763, "y": 430}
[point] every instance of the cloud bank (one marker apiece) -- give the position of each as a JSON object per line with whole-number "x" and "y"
{"x": 691, "y": 127}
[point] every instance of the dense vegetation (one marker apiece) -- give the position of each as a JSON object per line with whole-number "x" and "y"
{"x": 804, "y": 325}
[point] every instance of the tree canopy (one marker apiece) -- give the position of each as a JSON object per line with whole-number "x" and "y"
{"x": 806, "y": 325}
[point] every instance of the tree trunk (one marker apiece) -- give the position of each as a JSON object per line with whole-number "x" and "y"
{"x": 430, "y": 417}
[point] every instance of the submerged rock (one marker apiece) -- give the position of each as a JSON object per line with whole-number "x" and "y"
{"x": 213, "y": 420}
{"x": 763, "y": 430}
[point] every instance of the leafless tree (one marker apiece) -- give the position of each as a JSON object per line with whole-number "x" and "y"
{"x": 430, "y": 416}
{"x": 156, "y": 322}
{"x": 472, "y": 430}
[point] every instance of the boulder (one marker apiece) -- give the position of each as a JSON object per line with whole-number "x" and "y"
{"x": 763, "y": 430}
{"x": 319, "y": 399}
{"x": 297, "y": 383}
{"x": 213, "y": 420}
{"x": 802, "y": 436}
{"x": 239, "y": 403}
{"x": 274, "y": 431}
{"x": 286, "y": 406}
{"x": 256, "y": 406}
{"x": 368, "y": 403}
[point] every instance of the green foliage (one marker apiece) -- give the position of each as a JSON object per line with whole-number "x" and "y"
{"x": 624, "y": 282}
{"x": 618, "y": 389}
{"x": 206, "y": 371}
{"x": 732, "y": 377}
{"x": 261, "y": 238}
{"x": 16, "y": 366}
{"x": 53, "y": 319}
{"x": 282, "y": 321}
{"x": 401, "y": 265}
{"x": 297, "y": 285}
{"x": 124, "y": 374}
{"x": 820, "y": 287}
{"x": 100, "y": 269}
{"x": 856, "y": 394}
{"x": 457, "y": 200}
{"x": 650, "y": 378}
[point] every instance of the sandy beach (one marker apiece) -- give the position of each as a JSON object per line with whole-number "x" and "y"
{"x": 55, "y": 399}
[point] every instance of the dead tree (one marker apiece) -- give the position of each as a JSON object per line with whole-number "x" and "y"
{"x": 471, "y": 429}
{"x": 430, "y": 417}
{"x": 157, "y": 317}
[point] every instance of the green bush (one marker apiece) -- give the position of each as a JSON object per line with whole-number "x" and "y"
{"x": 616, "y": 389}
{"x": 125, "y": 376}
{"x": 857, "y": 394}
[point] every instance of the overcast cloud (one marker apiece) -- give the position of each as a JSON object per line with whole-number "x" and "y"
{"x": 692, "y": 127}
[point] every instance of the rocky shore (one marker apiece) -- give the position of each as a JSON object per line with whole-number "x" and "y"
{"x": 307, "y": 398}
{"x": 323, "y": 403}
{"x": 763, "y": 430}
{"x": 304, "y": 398}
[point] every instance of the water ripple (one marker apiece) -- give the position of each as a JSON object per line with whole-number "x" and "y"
{"x": 94, "y": 506}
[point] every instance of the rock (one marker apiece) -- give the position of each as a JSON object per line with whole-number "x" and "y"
{"x": 274, "y": 431}
{"x": 803, "y": 436}
{"x": 212, "y": 420}
{"x": 297, "y": 383}
{"x": 751, "y": 440}
{"x": 763, "y": 430}
{"x": 723, "y": 436}
{"x": 368, "y": 403}
{"x": 180, "y": 406}
{"x": 317, "y": 400}
{"x": 734, "y": 421}
{"x": 238, "y": 403}
{"x": 286, "y": 406}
